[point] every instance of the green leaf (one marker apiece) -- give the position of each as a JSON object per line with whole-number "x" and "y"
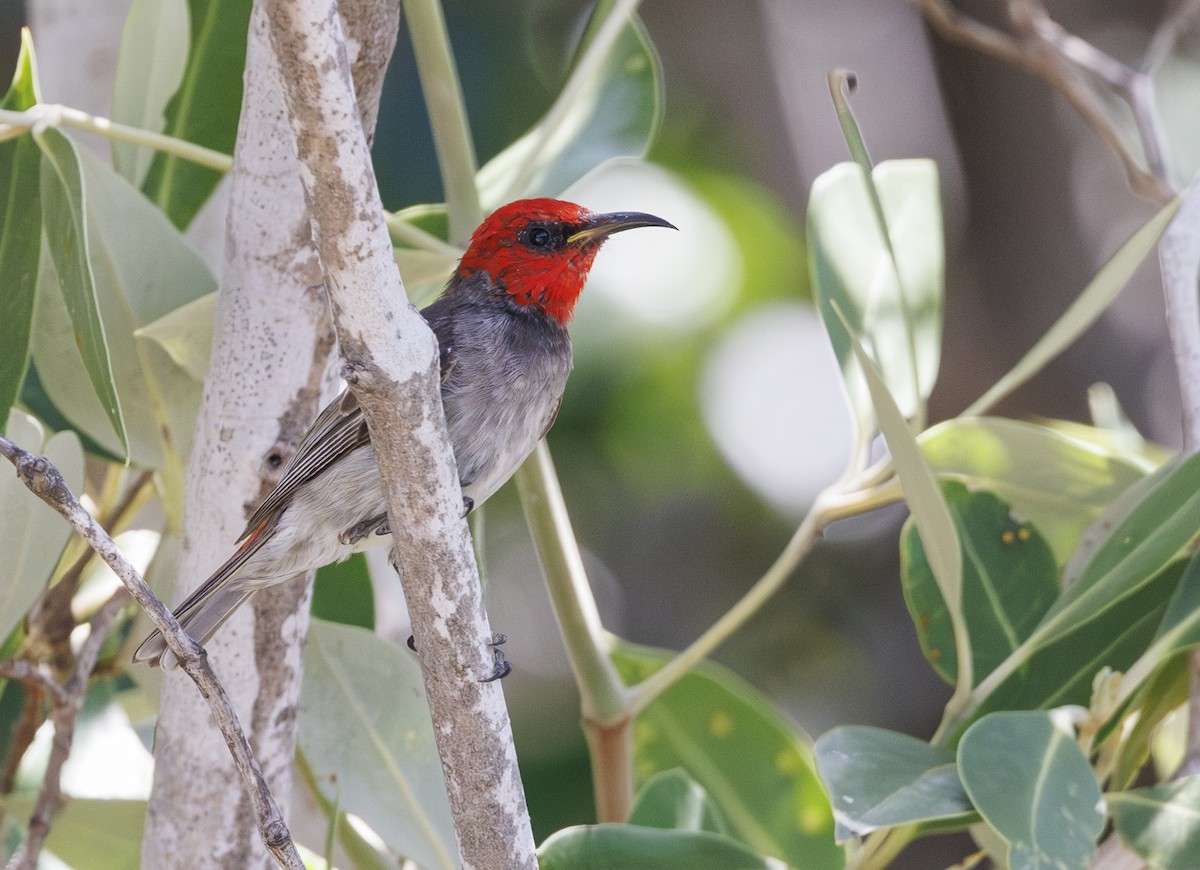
{"x": 851, "y": 264}
{"x": 1055, "y": 481}
{"x": 614, "y": 113}
{"x": 756, "y": 766}
{"x": 1136, "y": 551}
{"x": 880, "y": 779}
{"x": 343, "y": 593}
{"x": 630, "y": 847}
{"x": 1033, "y": 785}
{"x": 150, "y": 64}
{"x": 1154, "y": 701}
{"x": 1162, "y": 823}
{"x": 1084, "y": 311}
{"x": 205, "y": 109}
{"x": 1063, "y": 671}
{"x": 64, "y": 210}
{"x": 95, "y": 833}
{"x": 376, "y": 757}
{"x": 675, "y": 801}
{"x": 32, "y": 534}
{"x": 20, "y": 233}
{"x": 1010, "y": 579}
{"x": 186, "y": 334}
{"x": 143, "y": 270}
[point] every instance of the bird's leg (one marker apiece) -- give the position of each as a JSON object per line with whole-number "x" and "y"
{"x": 370, "y": 526}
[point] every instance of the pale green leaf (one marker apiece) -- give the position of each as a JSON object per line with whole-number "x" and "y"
{"x": 897, "y": 318}
{"x": 1161, "y": 823}
{"x": 935, "y": 524}
{"x": 675, "y": 801}
{"x": 1165, "y": 520}
{"x": 1058, "y": 482}
{"x": 150, "y": 64}
{"x": 631, "y": 847}
{"x": 186, "y": 334}
{"x": 32, "y": 534}
{"x": 1083, "y": 312}
{"x": 376, "y": 758}
{"x": 613, "y": 113}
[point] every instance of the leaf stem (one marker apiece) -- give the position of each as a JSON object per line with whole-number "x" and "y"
{"x": 447, "y": 115}
{"x": 52, "y": 115}
{"x": 603, "y": 694}
{"x": 808, "y": 533}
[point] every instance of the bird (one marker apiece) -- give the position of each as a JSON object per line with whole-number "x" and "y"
{"x": 505, "y": 354}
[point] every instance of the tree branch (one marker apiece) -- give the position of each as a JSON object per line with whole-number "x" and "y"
{"x": 1044, "y": 49}
{"x": 391, "y": 363}
{"x": 44, "y": 481}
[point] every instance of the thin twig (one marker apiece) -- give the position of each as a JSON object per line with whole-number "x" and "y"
{"x": 44, "y": 480}
{"x": 49, "y": 115}
{"x": 1178, "y": 21}
{"x": 68, "y": 701}
{"x": 1032, "y": 52}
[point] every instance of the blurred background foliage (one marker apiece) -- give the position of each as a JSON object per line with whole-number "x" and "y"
{"x": 704, "y": 413}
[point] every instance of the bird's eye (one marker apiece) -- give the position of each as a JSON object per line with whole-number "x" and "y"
{"x": 538, "y": 237}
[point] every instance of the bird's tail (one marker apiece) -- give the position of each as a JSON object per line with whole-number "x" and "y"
{"x": 200, "y": 617}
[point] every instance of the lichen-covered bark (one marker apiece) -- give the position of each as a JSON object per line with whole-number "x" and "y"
{"x": 391, "y": 365}
{"x": 272, "y": 368}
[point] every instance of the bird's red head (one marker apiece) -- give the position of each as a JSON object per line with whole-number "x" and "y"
{"x": 539, "y": 251}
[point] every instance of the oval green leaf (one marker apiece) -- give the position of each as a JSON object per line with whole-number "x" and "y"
{"x": 1032, "y": 784}
{"x": 675, "y": 801}
{"x": 630, "y": 847}
{"x": 880, "y": 779}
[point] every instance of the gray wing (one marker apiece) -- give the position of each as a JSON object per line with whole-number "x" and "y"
{"x": 338, "y": 431}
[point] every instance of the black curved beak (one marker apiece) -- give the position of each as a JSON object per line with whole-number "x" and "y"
{"x": 601, "y": 226}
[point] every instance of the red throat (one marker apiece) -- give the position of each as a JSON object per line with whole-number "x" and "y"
{"x": 548, "y": 280}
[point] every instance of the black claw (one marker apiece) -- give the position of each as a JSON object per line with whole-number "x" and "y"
{"x": 468, "y": 505}
{"x": 501, "y": 667}
{"x": 412, "y": 643}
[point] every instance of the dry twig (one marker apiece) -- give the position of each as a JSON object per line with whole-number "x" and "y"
{"x": 1041, "y": 47}
{"x": 45, "y": 481}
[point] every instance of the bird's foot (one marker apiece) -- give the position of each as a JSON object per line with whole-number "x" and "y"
{"x": 371, "y": 526}
{"x": 501, "y": 667}
{"x": 468, "y": 505}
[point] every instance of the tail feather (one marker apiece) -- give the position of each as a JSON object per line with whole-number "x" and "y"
{"x": 200, "y": 619}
